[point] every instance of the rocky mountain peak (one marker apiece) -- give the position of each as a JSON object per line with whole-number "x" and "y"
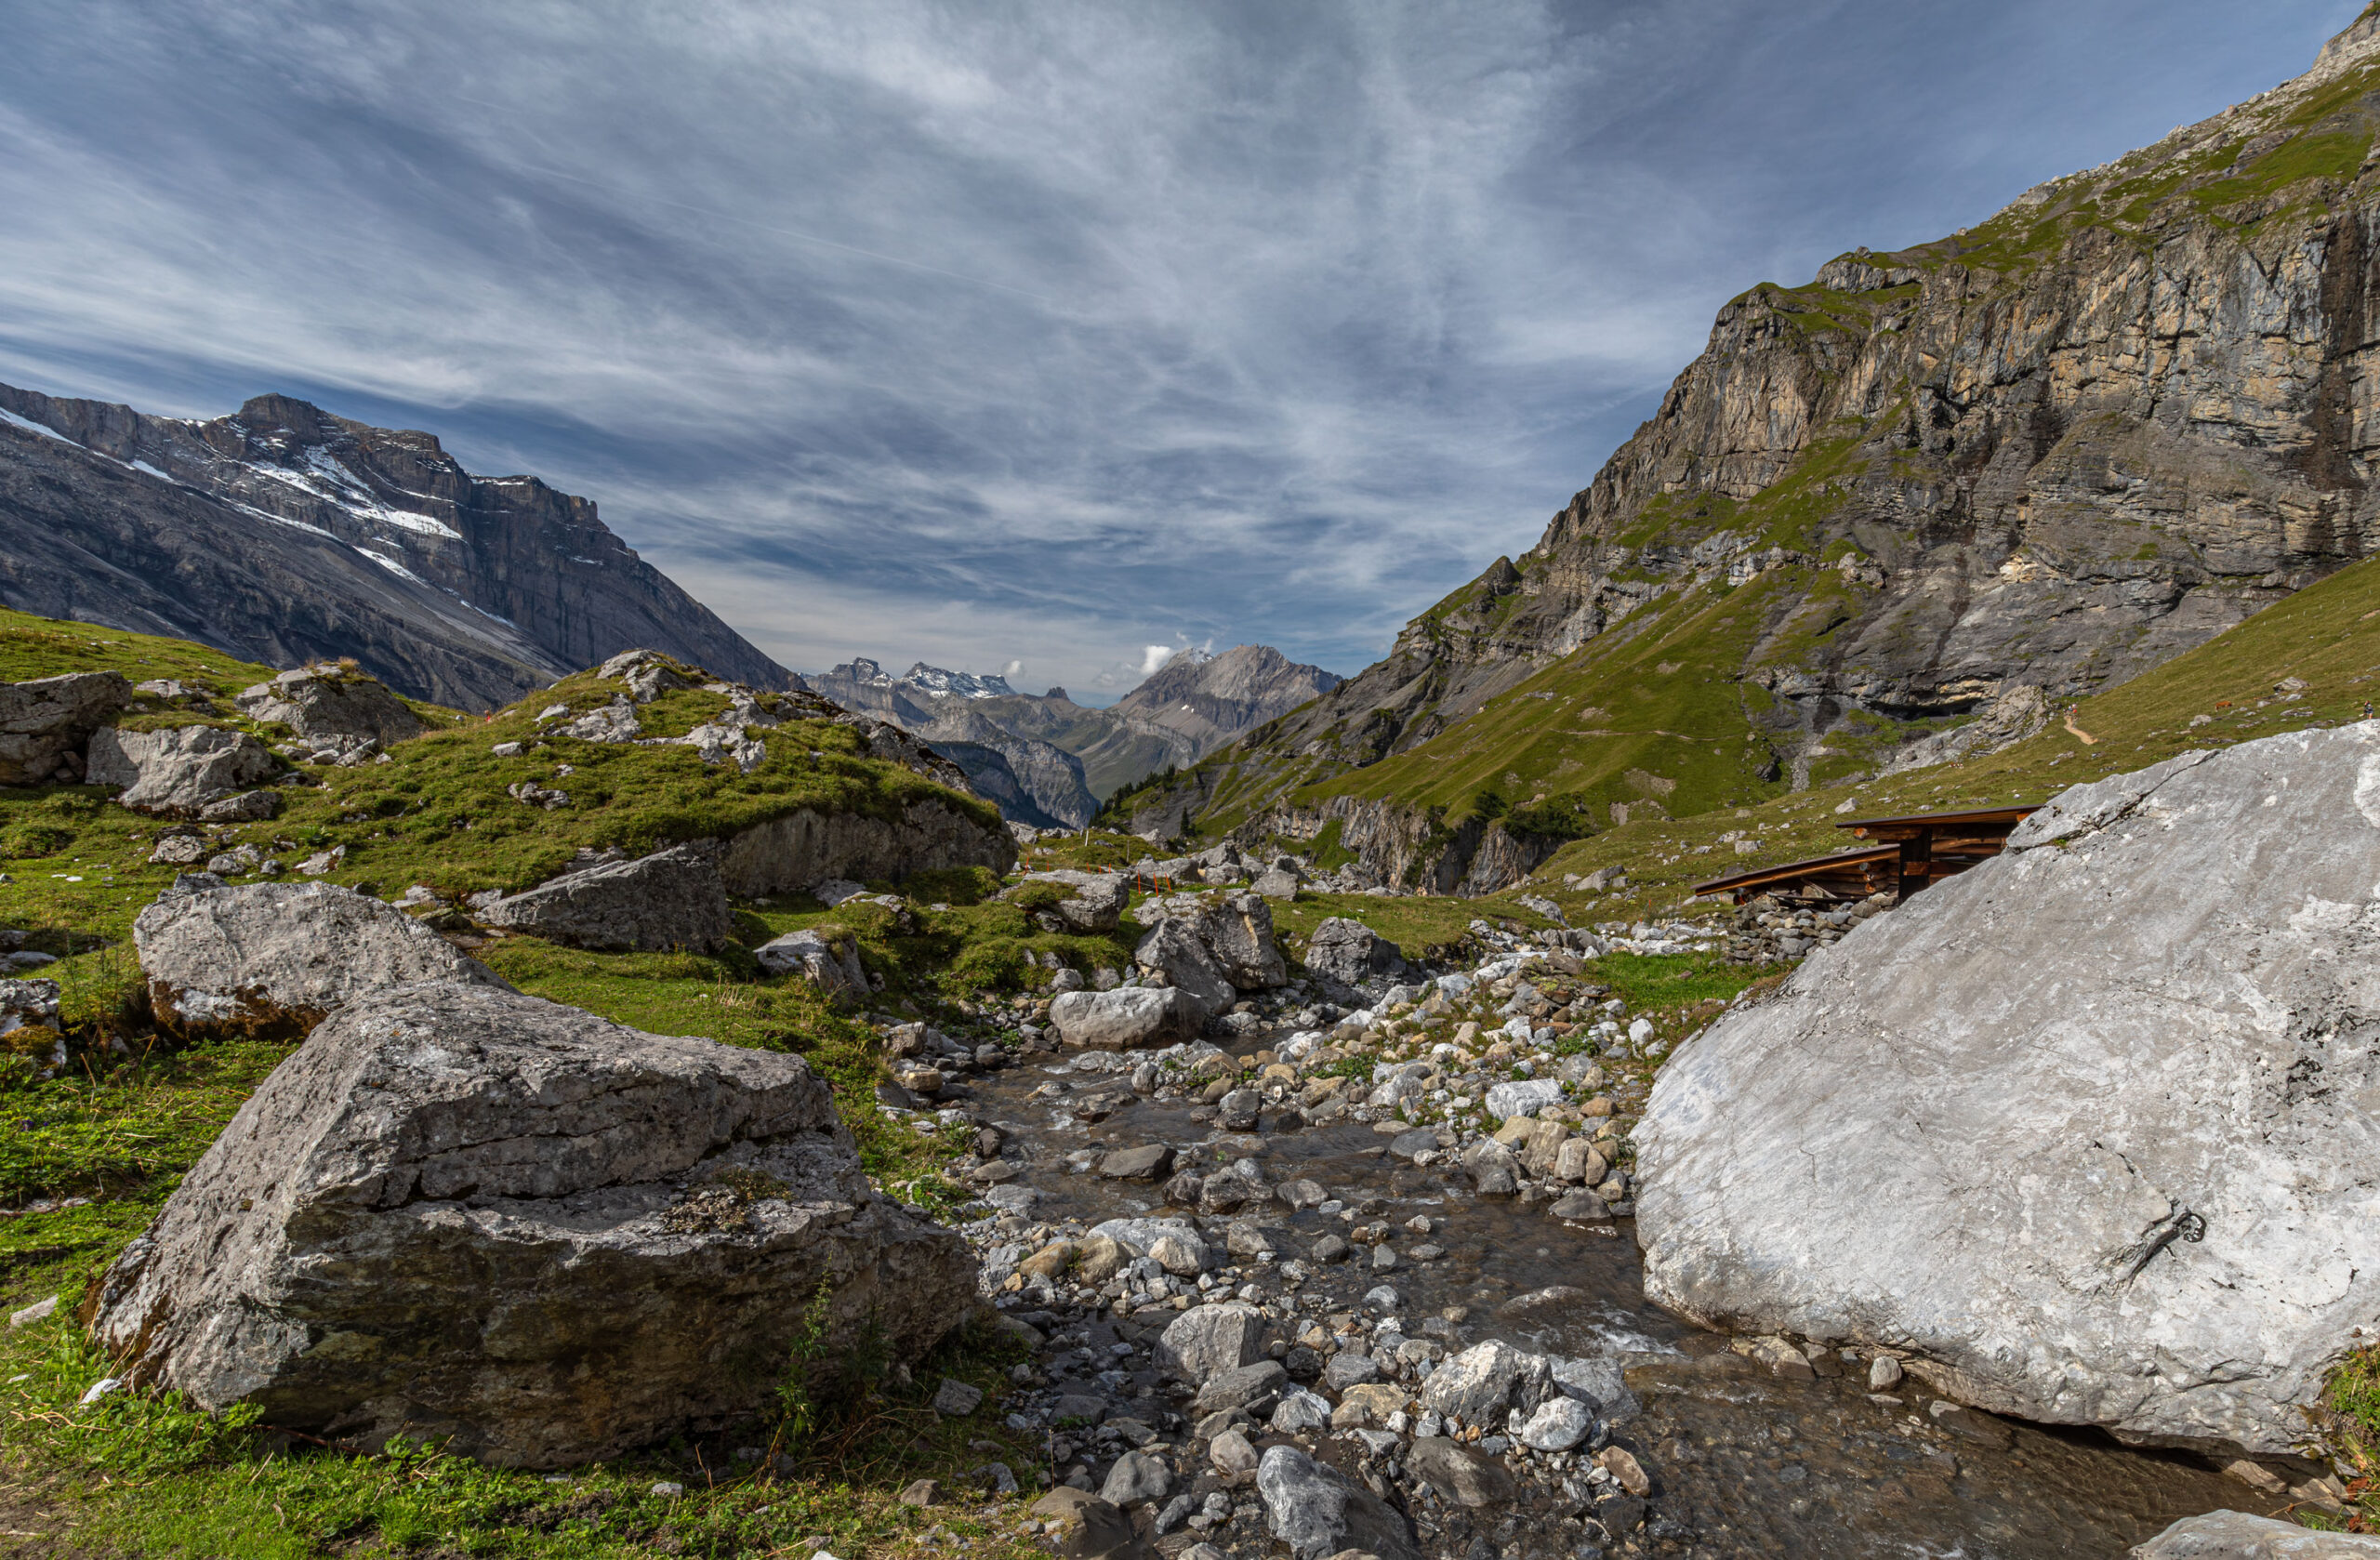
{"x": 283, "y": 534}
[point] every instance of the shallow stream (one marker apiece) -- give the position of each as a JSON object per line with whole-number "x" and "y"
{"x": 1743, "y": 1462}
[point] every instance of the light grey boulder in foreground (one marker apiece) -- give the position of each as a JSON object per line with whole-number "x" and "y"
{"x": 331, "y": 702}
{"x": 671, "y": 899}
{"x": 1206, "y": 1341}
{"x": 1125, "y": 1018}
{"x": 175, "y": 772}
{"x": 46, "y": 723}
{"x": 464, "y": 1215}
{"x": 2100, "y": 1112}
{"x": 273, "y": 959}
{"x": 2237, "y": 1536}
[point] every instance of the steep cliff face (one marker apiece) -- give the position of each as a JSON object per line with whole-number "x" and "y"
{"x": 283, "y": 533}
{"x": 2046, "y": 452}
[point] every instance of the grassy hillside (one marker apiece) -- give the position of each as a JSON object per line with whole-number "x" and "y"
{"x": 2229, "y": 690}
{"x": 92, "y": 1155}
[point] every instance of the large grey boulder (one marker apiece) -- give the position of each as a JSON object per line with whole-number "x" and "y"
{"x": 468, "y": 1215}
{"x": 331, "y": 702}
{"x": 44, "y": 723}
{"x": 789, "y": 853}
{"x": 1235, "y": 930}
{"x": 274, "y": 959}
{"x": 2237, "y": 1536}
{"x": 177, "y": 772}
{"x": 1125, "y": 1019}
{"x": 1347, "y": 952}
{"x": 828, "y": 962}
{"x": 1486, "y": 1382}
{"x": 2085, "y": 1131}
{"x": 1096, "y": 904}
{"x": 671, "y": 899}
{"x": 1313, "y": 1509}
{"x": 1206, "y": 1341}
{"x": 1175, "y": 952}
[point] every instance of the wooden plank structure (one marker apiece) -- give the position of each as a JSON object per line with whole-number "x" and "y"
{"x": 1935, "y": 845}
{"x": 1911, "y": 853}
{"x": 1850, "y": 875}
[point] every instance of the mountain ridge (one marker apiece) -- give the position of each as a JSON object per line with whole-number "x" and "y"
{"x": 284, "y": 534}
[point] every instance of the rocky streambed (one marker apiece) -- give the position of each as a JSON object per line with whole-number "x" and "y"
{"x": 1252, "y": 1306}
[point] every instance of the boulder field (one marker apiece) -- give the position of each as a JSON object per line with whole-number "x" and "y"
{"x": 2087, "y": 1131}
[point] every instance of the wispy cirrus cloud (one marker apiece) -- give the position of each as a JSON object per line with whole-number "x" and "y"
{"x": 1046, "y": 334}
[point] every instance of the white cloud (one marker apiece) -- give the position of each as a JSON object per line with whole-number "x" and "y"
{"x": 1154, "y": 657}
{"x": 949, "y": 330}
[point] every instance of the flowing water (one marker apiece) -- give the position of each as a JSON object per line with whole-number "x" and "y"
{"x": 1743, "y": 1462}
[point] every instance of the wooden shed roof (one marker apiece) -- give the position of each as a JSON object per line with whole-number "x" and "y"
{"x": 1986, "y": 820}
{"x": 1794, "y": 871}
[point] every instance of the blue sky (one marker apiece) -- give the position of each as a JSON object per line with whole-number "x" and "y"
{"x": 1038, "y": 334}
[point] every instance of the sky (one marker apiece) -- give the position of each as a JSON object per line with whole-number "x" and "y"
{"x": 1041, "y": 337}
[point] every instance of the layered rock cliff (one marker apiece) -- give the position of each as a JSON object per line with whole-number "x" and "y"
{"x": 283, "y": 534}
{"x": 2044, "y": 454}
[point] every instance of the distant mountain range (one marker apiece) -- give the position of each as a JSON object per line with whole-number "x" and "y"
{"x": 1049, "y": 762}
{"x": 282, "y": 534}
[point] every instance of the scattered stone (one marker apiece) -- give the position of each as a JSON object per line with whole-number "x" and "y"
{"x": 318, "y": 702}
{"x": 1127, "y": 1019}
{"x": 956, "y": 1400}
{"x": 1209, "y": 1340}
{"x": 830, "y": 963}
{"x": 1318, "y": 1514}
{"x": 1231, "y": 1453}
{"x": 1084, "y": 1524}
{"x": 1486, "y": 1382}
{"x": 1459, "y": 1473}
{"x": 1622, "y": 1465}
{"x": 1559, "y": 1424}
{"x": 1097, "y": 904}
{"x": 2239, "y": 1536}
{"x": 1137, "y": 1478}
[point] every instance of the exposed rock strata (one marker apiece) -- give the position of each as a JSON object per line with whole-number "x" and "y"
{"x": 796, "y": 851}
{"x": 671, "y": 899}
